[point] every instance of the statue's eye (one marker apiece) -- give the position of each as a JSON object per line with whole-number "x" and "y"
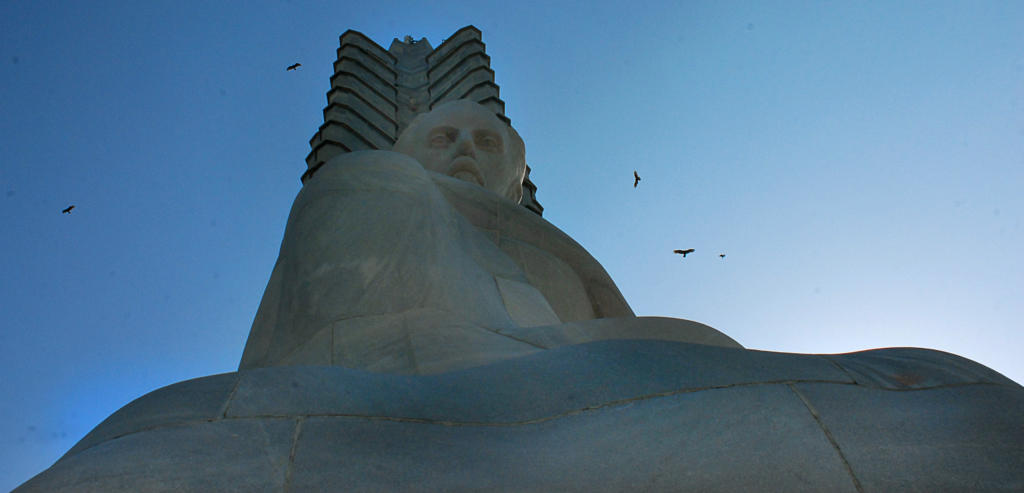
{"x": 440, "y": 140}
{"x": 489, "y": 143}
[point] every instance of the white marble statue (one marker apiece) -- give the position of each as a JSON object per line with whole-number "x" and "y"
{"x": 422, "y": 332}
{"x": 419, "y": 260}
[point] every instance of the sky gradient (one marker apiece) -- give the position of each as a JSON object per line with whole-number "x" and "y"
{"x": 859, "y": 163}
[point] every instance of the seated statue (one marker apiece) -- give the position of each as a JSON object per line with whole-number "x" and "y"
{"x": 421, "y": 331}
{"x": 419, "y": 260}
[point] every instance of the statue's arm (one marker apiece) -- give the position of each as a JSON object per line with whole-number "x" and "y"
{"x": 370, "y": 235}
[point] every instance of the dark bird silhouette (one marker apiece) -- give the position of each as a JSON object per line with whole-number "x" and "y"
{"x": 68, "y": 210}
{"x": 683, "y": 252}
{"x": 721, "y": 255}
{"x": 636, "y": 179}
{"x": 293, "y": 66}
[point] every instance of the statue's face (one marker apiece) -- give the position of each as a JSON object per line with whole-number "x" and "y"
{"x": 465, "y": 140}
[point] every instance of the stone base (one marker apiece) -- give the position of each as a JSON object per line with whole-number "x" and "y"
{"x": 611, "y": 415}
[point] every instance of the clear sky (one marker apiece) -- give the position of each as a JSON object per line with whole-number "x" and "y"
{"x": 859, "y": 163}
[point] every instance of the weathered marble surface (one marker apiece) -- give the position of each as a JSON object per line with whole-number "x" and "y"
{"x": 391, "y": 265}
{"x": 610, "y": 415}
{"x": 421, "y": 331}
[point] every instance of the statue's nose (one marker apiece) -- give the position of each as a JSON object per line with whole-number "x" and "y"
{"x": 464, "y": 145}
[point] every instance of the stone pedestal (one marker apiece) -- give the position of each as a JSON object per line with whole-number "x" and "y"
{"x": 614, "y": 415}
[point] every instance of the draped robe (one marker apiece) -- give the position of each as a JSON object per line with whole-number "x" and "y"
{"x": 420, "y": 333}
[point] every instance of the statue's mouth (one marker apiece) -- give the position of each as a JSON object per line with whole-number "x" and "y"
{"x": 464, "y": 168}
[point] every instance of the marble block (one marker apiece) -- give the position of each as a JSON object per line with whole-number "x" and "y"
{"x": 608, "y": 415}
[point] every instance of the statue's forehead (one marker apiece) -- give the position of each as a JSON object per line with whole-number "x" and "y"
{"x": 462, "y": 116}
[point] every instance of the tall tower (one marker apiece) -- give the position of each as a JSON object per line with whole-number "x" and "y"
{"x": 375, "y": 93}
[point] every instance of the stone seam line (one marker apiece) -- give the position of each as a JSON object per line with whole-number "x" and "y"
{"x": 573, "y": 412}
{"x": 291, "y": 453}
{"x": 838, "y": 366}
{"x": 227, "y": 402}
{"x": 828, "y": 435}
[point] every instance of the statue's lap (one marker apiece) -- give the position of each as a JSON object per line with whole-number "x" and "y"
{"x": 606, "y": 415}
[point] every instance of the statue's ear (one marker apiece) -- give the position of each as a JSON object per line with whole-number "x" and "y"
{"x": 516, "y": 151}
{"x": 515, "y": 192}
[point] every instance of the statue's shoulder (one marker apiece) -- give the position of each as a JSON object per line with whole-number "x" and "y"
{"x": 368, "y": 163}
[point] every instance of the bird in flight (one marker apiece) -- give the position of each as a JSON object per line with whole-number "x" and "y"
{"x": 721, "y": 255}
{"x": 293, "y": 66}
{"x": 683, "y": 252}
{"x": 636, "y": 179}
{"x": 68, "y": 210}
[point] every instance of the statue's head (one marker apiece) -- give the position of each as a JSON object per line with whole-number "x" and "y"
{"x": 467, "y": 141}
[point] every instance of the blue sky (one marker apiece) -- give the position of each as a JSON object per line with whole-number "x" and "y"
{"x": 859, "y": 163}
